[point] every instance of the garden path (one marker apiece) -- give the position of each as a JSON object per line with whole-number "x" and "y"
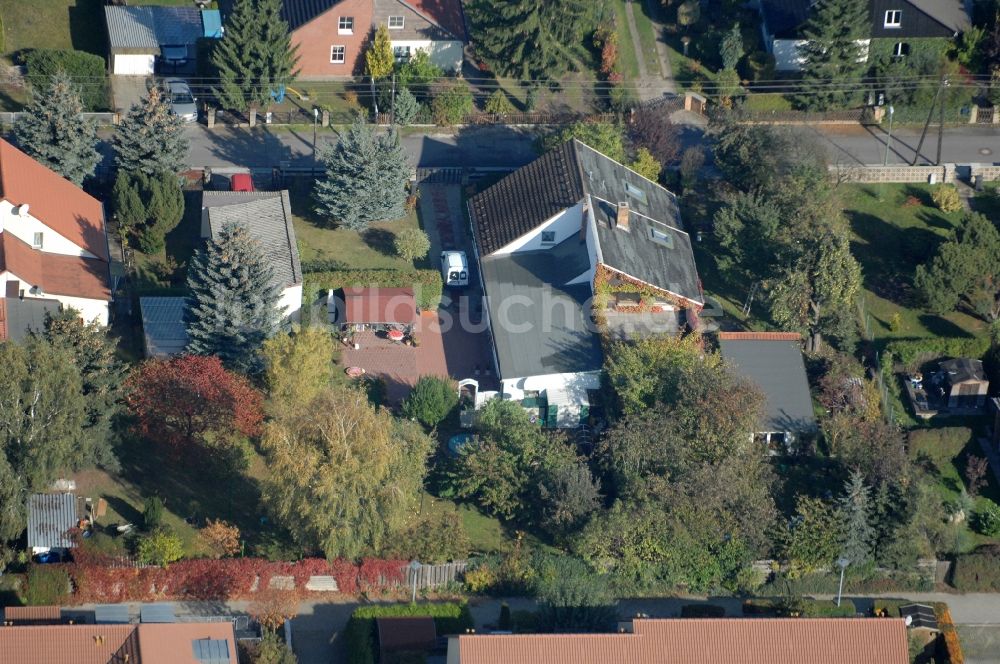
{"x": 653, "y": 11}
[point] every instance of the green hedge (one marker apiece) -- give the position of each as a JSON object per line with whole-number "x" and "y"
{"x": 86, "y": 69}
{"x": 912, "y": 352}
{"x": 426, "y": 284}
{"x": 362, "y": 637}
{"x": 978, "y": 571}
{"x": 939, "y": 444}
{"x": 48, "y": 585}
{"x": 827, "y": 608}
{"x": 808, "y": 608}
{"x": 703, "y": 611}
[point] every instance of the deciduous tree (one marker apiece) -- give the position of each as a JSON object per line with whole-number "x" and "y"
{"x": 343, "y": 473}
{"x": 646, "y": 165}
{"x": 379, "y": 59}
{"x": 53, "y": 131}
{"x": 365, "y": 179}
{"x": 650, "y": 129}
{"x": 298, "y": 366}
{"x": 431, "y": 400}
{"x": 605, "y": 137}
{"x": 150, "y": 138}
{"x": 220, "y": 537}
{"x": 411, "y": 244}
{"x": 814, "y": 536}
{"x": 233, "y": 307}
{"x": 160, "y": 547}
{"x": 189, "y": 399}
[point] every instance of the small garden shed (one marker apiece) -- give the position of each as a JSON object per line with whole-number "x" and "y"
{"x": 965, "y": 382}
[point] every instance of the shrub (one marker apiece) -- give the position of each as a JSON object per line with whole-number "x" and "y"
{"x": 451, "y": 105}
{"x": 702, "y": 611}
{"x": 504, "y": 622}
{"x": 431, "y": 400}
{"x": 987, "y": 519}
{"x": 480, "y": 579}
{"x": 978, "y": 571}
{"x": 47, "y": 585}
{"x": 498, "y": 104}
{"x": 411, "y": 244}
{"x": 646, "y": 165}
{"x": 43, "y": 63}
{"x": 946, "y": 198}
{"x": 426, "y": 284}
{"x": 160, "y": 547}
{"x": 221, "y": 538}
{"x": 360, "y": 634}
{"x": 941, "y": 445}
{"x": 152, "y": 513}
{"x": 406, "y": 108}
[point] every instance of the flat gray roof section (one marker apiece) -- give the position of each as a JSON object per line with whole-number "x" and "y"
{"x": 540, "y": 325}
{"x": 163, "y": 325}
{"x": 773, "y": 361}
{"x": 268, "y": 217}
{"x": 145, "y": 29}
{"x": 27, "y": 316}
{"x": 50, "y": 517}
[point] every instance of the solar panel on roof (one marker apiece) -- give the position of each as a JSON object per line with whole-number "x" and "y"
{"x": 157, "y": 613}
{"x": 111, "y": 614}
{"x": 211, "y": 651}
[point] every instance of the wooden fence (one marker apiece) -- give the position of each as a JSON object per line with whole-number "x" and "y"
{"x": 522, "y": 118}
{"x": 435, "y": 576}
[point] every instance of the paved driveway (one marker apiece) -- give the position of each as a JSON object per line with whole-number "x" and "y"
{"x": 127, "y": 91}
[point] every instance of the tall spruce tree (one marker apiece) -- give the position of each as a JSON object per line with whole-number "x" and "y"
{"x": 255, "y": 56}
{"x": 856, "y": 512}
{"x": 529, "y": 39}
{"x": 834, "y": 53}
{"x": 150, "y": 139}
{"x": 53, "y": 131}
{"x": 365, "y": 179}
{"x": 233, "y": 306}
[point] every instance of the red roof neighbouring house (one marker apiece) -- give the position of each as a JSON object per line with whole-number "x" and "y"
{"x": 55, "y": 274}
{"x": 760, "y": 336}
{"x": 52, "y": 199}
{"x": 379, "y": 306}
{"x": 32, "y": 615}
{"x": 701, "y": 641}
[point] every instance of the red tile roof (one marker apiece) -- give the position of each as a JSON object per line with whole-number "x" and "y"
{"x": 147, "y": 643}
{"x": 55, "y": 201}
{"x": 446, "y": 13}
{"x": 57, "y": 274}
{"x": 379, "y": 305}
{"x": 760, "y": 336}
{"x": 32, "y": 615}
{"x": 703, "y": 641}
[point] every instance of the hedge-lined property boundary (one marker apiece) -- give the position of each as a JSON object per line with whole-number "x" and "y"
{"x": 226, "y": 579}
{"x": 361, "y": 637}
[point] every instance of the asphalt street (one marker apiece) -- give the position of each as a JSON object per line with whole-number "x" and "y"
{"x": 269, "y": 147}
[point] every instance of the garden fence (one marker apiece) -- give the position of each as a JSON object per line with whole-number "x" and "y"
{"x": 521, "y": 118}
{"x": 435, "y": 576}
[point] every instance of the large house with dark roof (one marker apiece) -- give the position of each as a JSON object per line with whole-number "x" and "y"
{"x": 895, "y": 25}
{"x": 331, "y": 35}
{"x": 569, "y": 243}
{"x": 699, "y": 641}
{"x": 267, "y": 215}
{"x": 53, "y": 247}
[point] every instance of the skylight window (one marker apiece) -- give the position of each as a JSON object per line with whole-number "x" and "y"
{"x": 635, "y": 192}
{"x": 659, "y": 237}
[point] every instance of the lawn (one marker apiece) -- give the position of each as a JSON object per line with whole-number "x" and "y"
{"x": 165, "y": 273}
{"x": 627, "y": 63}
{"x": 69, "y": 24}
{"x": 486, "y": 534}
{"x": 895, "y": 227}
{"x": 647, "y": 37}
{"x": 318, "y": 242}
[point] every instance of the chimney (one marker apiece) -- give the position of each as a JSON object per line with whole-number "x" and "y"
{"x": 622, "y": 220}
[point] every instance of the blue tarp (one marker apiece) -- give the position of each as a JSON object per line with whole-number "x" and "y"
{"x": 211, "y": 22}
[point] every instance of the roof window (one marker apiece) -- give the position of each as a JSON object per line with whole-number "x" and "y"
{"x": 659, "y": 237}
{"x": 635, "y": 192}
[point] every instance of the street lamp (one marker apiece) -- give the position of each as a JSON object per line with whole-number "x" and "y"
{"x": 888, "y": 141}
{"x": 414, "y": 568}
{"x": 842, "y": 563}
{"x": 315, "y": 122}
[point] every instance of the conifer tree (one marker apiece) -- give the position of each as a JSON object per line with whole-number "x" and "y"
{"x": 53, "y": 131}
{"x": 834, "y": 53}
{"x": 255, "y": 56}
{"x": 365, "y": 179}
{"x": 150, "y": 139}
{"x": 233, "y": 306}
{"x": 856, "y": 512}
{"x": 406, "y": 108}
{"x": 129, "y": 207}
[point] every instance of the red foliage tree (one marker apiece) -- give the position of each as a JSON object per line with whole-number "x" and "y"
{"x": 180, "y": 400}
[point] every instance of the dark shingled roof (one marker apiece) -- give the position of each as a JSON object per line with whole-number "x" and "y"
{"x": 524, "y": 199}
{"x": 964, "y": 370}
{"x": 546, "y": 329}
{"x": 776, "y": 366}
{"x": 295, "y": 12}
{"x": 783, "y": 18}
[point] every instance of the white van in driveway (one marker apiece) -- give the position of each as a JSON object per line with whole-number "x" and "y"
{"x": 454, "y": 268}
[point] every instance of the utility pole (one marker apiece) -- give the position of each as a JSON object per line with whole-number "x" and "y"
{"x": 392, "y": 107}
{"x": 371, "y": 80}
{"x": 842, "y": 563}
{"x": 927, "y": 124}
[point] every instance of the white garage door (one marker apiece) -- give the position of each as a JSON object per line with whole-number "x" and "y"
{"x": 133, "y": 65}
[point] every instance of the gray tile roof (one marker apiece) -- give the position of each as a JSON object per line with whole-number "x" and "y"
{"x": 145, "y": 29}
{"x": 163, "y": 325}
{"x": 268, "y": 217}
{"x": 527, "y": 290}
{"x": 951, "y": 14}
{"x": 783, "y": 18}
{"x": 50, "y": 516}
{"x": 777, "y": 367}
